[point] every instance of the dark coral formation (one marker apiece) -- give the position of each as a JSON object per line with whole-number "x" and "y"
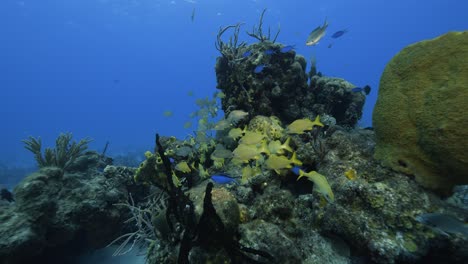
{"x": 57, "y": 216}
{"x": 334, "y": 97}
{"x": 281, "y": 89}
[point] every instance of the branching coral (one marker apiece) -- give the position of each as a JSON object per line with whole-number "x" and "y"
{"x": 257, "y": 32}
{"x": 62, "y": 156}
{"x": 231, "y": 49}
{"x": 142, "y": 218}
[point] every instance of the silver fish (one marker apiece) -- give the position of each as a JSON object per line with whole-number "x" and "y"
{"x": 317, "y": 34}
{"x": 443, "y": 223}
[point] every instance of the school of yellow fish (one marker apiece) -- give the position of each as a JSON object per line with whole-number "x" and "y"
{"x": 255, "y": 149}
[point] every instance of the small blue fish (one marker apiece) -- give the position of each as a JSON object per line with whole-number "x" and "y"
{"x": 339, "y": 33}
{"x": 259, "y": 68}
{"x": 172, "y": 160}
{"x": 223, "y": 179}
{"x": 269, "y": 52}
{"x": 286, "y": 49}
{"x": 247, "y": 54}
{"x": 296, "y": 170}
{"x": 366, "y": 89}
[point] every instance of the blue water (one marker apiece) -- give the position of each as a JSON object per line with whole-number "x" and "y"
{"x": 108, "y": 69}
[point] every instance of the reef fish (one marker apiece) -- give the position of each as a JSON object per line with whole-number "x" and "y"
{"x": 168, "y": 113}
{"x": 236, "y": 133}
{"x": 259, "y": 68}
{"x": 236, "y": 115}
{"x": 301, "y": 125}
{"x": 182, "y": 167}
{"x": 246, "y": 54}
{"x": 245, "y": 153}
{"x": 296, "y": 170}
{"x": 443, "y": 223}
{"x": 278, "y": 163}
{"x": 223, "y": 179}
{"x": 320, "y": 184}
{"x": 269, "y": 51}
{"x": 366, "y": 89}
{"x": 287, "y": 48}
{"x": 339, "y": 33}
{"x": 317, "y": 34}
{"x": 252, "y": 138}
{"x": 275, "y": 147}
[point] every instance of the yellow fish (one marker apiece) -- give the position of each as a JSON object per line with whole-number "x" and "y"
{"x": 301, "y": 125}
{"x": 168, "y": 113}
{"x": 320, "y": 184}
{"x": 183, "y": 167}
{"x": 236, "y": 133}
{"x": 222, "y": 124}
{"x": 275, "y": 147}
{"x": 176, "y": 180}
{"x": 251, "y": 138}
{"x": 202, "y": 172}
{"x": 245, "y": 153}
{"x": 187, "y": 124}
{"x": 249, "y": 172}
{"x": 221, "y": 152}
{"x": 277, "y": 163}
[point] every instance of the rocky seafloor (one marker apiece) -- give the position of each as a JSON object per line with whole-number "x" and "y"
{"x": 372, "y": 219}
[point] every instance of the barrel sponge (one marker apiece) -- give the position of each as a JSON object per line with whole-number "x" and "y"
{"x": 421, "y": 114}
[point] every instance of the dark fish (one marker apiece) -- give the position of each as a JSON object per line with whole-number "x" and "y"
{"x": 223, "y": 179}
{"x": 269, "y": 52}
{"x": 366, "y": 89}
{"x": 443, "y": 223}
{"x": 287, "y": 48}
{"x": 330, "y": 45}
{"x": 247, "y": 54}
{"x": 259, "y": 68}
{"x": 316, "y": 34}
{"x": 192, "y": 17}
{"x": 339, "y": 33}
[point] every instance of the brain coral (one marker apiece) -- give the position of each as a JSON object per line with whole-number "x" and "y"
{"x": 420, "y": 117}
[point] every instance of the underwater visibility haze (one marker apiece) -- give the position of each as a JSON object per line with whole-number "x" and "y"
{"x": 351, "y": 111}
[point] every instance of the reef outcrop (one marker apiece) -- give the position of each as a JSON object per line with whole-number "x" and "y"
{"x": 56, "y": 216}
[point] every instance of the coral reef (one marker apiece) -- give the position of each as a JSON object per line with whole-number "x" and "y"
{"x": 57, "y": 216}
{"x": 421, "y": 112}
{"x": 299, "y": 183}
